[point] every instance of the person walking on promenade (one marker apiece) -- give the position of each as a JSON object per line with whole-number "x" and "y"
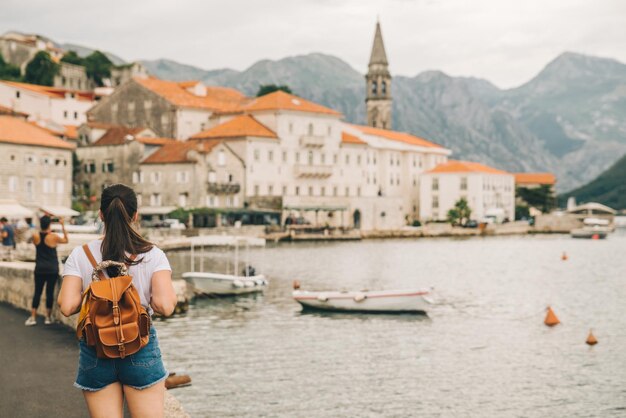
{"x": 138, "y": 378}
{"x": 8, "y": 239}
{"x": 46, "y": 267}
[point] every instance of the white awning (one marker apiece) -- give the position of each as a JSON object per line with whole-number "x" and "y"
{"x": 156, "y": 210}
{"x": 593, "y": 207}
{"x": 10, "y": 209}
{"x": 59, "y": 211}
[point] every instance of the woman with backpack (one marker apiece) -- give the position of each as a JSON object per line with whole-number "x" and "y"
{"x": 108, "y": 376}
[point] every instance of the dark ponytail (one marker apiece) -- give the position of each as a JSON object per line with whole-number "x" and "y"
{"x": 118, "y": 205}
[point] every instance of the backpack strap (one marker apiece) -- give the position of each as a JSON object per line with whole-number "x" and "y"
{"x": 92, "y": 260}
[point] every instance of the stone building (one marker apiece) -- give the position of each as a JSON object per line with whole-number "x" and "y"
{"x": 19, "y": 48}
{"x": 122, "y": 73}
{"x": 36, "y": 168}
{"x": 378, "y": 85}
{"x": 172, "y": 109}
{"x": 72, "y": 77}
{"x": 204, "y": 173}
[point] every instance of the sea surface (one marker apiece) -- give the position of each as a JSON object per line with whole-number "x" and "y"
{"x": 482, "y": 351}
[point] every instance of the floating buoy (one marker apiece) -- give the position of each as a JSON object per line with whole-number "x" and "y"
{"x": 591, "y": 339}
{"x": 564, "y": 256}
{"x": 296, "y": 285}
{"x": 551, "y": 319}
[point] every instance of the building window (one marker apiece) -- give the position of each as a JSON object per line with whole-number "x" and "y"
{"x": 463, "y": 183}
{"x": 182, "y": 177}
{"x": 335, "y": 158}
{"x": 147, "y": 104}
{"x": 164, "y": 121}
{"x": 374, "y": 87}
{"x": 310, "y": 190}
{"x": 323, "y": 158}
{"x": 297, "y": 191}
{"x": 297, "y": 157}
{"x": 284, "y": 190}
{"x": 322, "y": 191}
{"x": 108, "y": 166}
{"x": 335, "y": 191}
{"x": 435, "y": 184}
{"x": 383, "y": 87}
{"x": 347, "y": 159}
{"x": 284, "y": 156}
{"x": 347, "y": 191}
{"x": 135, "y": 177}
{"x": 358, "y": 159}
{"x": 270, "y": 156}
{"x": 256, "y": 189}
{"x": 311, "y": 130}
{"x": 257, "y": 155}
{"x": 30, "y": 188}
{"x": 114, "y": 108}
{"x": 155, "y": 199}
{"x": 221, "y": 158}
{"x": 358, "y": 191}
{"x": 65, "y": 114}
{"x": 212, "y": 177}
{"x": 270, "y": 190}
{"x": 13, "y": 183}
{"x": 60, "y": 186}
{"x": 17, "y": 94}
{"x": 156, "y": 177}
{"x": 310, "y": 157}
{"x": 131, "y": 107}
{"x": 330, "y": 130}
{"x": 75, "y": 115}
{"x": 182, "y": 200}
{"x": 290, "y": 127}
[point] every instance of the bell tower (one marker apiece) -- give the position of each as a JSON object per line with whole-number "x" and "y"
{"x": 378, "y": 85}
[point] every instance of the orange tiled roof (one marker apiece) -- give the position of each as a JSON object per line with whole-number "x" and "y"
{"x": 347, "y": 138}
{"x": 54, "y": 92}
{"x": 17, "y": 131}
{"x": 454, "y": 166}
{"x": 8, "y": 111}
{"x": 535, "y": 178}
{"x": 280, "y": 100}
{"x": 240, "y": 126}
{"x": 217, "y": 98}
{"x": 116, "y": 136}
{"x": 154, "y": 141}
{"x": 71, "y": 131}
{"x": 175, "y": 153}
{"x": 397, "y": 136}
{"x": 99, "y": 125}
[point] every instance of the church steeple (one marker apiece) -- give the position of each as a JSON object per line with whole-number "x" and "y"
{"x": 378, "y": 85}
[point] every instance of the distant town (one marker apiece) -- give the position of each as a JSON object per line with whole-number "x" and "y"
{"x": 209, "y": 156}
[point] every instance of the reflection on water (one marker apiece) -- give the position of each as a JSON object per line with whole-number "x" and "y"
{"x": 482, "y": 351}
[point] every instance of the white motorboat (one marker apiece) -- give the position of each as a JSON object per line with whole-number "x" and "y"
{"x": 225, "y": 284}
{"x": 209, "y": 283}
{"x": 589, "y": 233}
{"x": 384, "y": 301}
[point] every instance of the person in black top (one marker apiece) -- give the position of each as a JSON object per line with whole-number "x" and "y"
{"x": 46, "y": 267}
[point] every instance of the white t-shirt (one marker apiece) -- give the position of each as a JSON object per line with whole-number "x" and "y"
{"x": 77, "y": 264}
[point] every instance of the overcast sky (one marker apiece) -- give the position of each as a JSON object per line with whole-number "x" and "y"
{"x": 504, "y": 41}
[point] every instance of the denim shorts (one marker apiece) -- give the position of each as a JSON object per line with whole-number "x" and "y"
{"x": 140, "y": 370}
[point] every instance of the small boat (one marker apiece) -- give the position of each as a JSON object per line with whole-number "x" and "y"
{"x": 384, "y": 301}
{"x": 224, "y": 284}
{"x": 593, "y": 228}
{"x": 209, "y": 283}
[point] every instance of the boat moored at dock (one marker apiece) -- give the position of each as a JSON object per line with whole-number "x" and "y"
{"x": 384, "y": 301}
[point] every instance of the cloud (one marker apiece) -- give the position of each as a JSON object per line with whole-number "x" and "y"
{"x": 506, "y": 42}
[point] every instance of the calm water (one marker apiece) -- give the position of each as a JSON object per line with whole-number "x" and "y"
{"x": 483, "y": 350}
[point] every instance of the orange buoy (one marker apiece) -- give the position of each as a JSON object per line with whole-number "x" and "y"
{"x": 564, "y": 256}
{"x": 595, "y": 236}
{"x": 551, "y": 319}
{"x": 591, "y": 339}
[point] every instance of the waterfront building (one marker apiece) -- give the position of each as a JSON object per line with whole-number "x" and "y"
{"x": 55, "y": 107}
{"x": 37, "y": 167}
{"x": 488, "y": 191}
{"x": 535, "y": 180}
{"x": 172, "y": 109}
{"x": 195, "y": 174}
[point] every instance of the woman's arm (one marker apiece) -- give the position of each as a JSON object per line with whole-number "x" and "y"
{"x": 163, "y": 298}
{"x": 70, "y": 296}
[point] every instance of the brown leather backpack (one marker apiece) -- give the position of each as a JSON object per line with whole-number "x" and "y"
{"x": 112, "y": 318}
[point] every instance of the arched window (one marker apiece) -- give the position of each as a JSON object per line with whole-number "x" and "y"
{"x": 374, "y": 87}
{"x": 384, "y": 87}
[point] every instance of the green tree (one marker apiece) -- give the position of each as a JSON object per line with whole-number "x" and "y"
{"x": 460, "y": 213}
{"x": 41, "y": 69}
{"x": 9, "y": 71}
{"x": 71, "y": 57}
{"x": 271, "y": 88}
{"x": 541, "y": 197}
{"x": 98, "y": 67}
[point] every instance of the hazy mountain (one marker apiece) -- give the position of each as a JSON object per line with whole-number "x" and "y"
{"x": 608, "y": 188}
{"x": 570, "y": 119}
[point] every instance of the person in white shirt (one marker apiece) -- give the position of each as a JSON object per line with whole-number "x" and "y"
{"x": 138, "y": 377}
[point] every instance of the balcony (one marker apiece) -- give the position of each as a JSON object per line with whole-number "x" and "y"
{"x": 313, "y": 171}
{"x": 312, "y": 141}
{"x": 223, "y": 188}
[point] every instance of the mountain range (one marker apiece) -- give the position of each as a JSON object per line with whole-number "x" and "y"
{"x": 570, "y": 119}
